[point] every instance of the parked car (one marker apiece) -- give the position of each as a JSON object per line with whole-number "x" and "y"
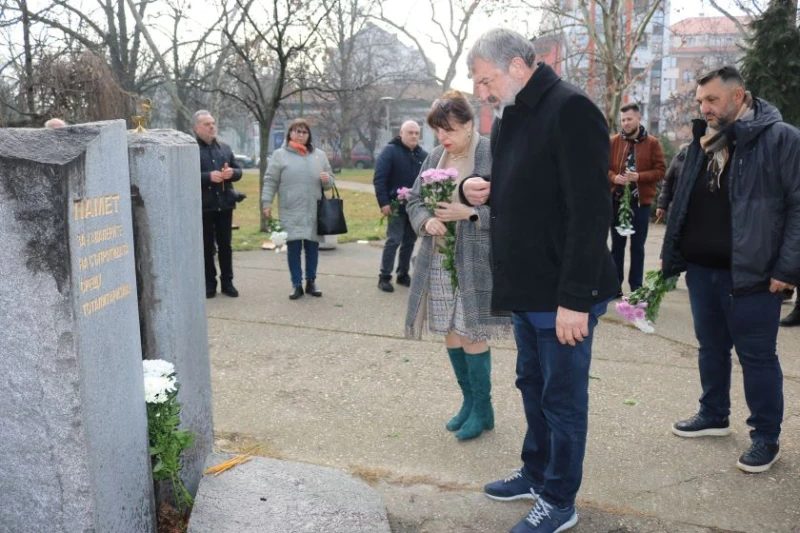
{"x": 361, "y": 158}
{"x": 245, "y": 161}
{"x": 336, "y": 163}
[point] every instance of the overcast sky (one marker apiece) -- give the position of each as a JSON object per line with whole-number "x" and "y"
{"x": 418, "y": 12}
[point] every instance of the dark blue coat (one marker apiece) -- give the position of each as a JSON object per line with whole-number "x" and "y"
{"x": 397, "y": 167}
{"x": 765, "y": 202}
{"x": 217, "y": 196}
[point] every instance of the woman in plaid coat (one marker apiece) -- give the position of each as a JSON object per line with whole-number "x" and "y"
{"x": 462, "y": 316}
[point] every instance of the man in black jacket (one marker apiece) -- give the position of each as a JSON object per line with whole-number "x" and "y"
{"x": 734, "y": 227}
{"x": 397, "y": 167}
{"x": 218, "y": 171}
{"x": 551, "y": 267}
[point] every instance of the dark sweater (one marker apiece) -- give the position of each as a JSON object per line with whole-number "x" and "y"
{"x": 707, "y": 237}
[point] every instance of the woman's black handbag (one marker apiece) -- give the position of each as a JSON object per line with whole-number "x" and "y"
{"x": 330, "y": 214}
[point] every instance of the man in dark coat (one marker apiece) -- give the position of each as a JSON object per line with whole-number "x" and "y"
{"x": 218, "y": 171}
{"x": 397, "y": 167}
{"x": 551, "y": 267}
{"x": 734, "y": 227}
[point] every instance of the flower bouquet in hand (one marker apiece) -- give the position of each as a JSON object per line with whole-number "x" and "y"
{"x": 438, "y": 185}
{"x": 625, "y": 217}
{"x": 167, "y": 442}
{"x": 641, "y": 306}
{"x": 277, "y": 235}
{"x": 402, "y": 199}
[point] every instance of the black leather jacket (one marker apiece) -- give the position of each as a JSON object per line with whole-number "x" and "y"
{"x": 765, "y": 202}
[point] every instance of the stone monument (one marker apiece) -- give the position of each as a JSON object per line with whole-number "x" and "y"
{"x": 72, "y": 411}
{"x": 167, "y": 215}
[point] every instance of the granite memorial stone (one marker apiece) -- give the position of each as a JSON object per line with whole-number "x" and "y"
{"x": 74, "y": 455}
{"x": 167, "y": 215}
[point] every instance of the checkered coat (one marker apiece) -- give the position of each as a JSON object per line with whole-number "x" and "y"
{"x": 473, "y": 260}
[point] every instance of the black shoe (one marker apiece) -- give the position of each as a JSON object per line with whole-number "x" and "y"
{"x": 404, "y": 280}
{"x": 230, "y": 290}
{"x": 211, "y": 290}
{"x": 311, "y": 288}
{"x": 759, "y": 457}
{"x": 792, "y": 319}
{"x": 700, "y": 426}
{"x": 297, "y": 293}
{"x": 385, "y": 284}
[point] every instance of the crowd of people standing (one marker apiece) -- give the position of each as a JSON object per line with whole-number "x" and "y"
{"x": 531, "y": 214}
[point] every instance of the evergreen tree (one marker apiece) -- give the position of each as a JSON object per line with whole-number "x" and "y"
{"x": 771, "y": 65}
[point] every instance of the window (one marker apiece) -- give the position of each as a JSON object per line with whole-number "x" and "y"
{"x": 688, "y": 76}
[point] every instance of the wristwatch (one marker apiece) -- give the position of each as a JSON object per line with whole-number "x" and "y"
{"x": 474, "y": 216}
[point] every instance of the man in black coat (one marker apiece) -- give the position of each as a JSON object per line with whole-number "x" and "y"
{"x": 397, "y": 167}
{"x": 218, "y": 171}
{"x": 734, "y": 227}
{"x": 551, "y": 209}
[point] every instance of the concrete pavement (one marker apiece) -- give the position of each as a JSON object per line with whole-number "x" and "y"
{"x": 332, "y": 381}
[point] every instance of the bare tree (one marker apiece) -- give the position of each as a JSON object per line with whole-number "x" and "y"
{"x": 104, "y": 29}
{"x": 611, "y": 37}
{"x": 452, "y": 19}
{"x": 266, "y": 66}
{"x": 362, "y": 63}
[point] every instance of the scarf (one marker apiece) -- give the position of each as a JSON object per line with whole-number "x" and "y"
{"x": 715, "y": 143}
{"x": 302, "y": 148}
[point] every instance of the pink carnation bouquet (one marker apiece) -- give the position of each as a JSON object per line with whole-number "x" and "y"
{"x": 438, "y": 185}
{"x": 641, "y": 306}
{"x": 402, "y": 199}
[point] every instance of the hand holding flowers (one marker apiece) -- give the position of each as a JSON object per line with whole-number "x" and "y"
{"x": 394, "y": 206}
{"x": 438, "y": 186}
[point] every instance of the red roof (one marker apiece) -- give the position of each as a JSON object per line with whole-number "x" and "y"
{"x": 707, "y": 26}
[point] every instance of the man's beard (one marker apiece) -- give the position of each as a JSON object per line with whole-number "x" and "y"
{"x": 729, "y": 118}
{"x": 514, "y": 89}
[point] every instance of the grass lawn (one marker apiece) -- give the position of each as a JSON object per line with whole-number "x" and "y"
{"x": 360, "y": 209}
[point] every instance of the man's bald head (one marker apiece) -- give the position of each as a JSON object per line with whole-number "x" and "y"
{"x": 409, "y": 134}
{"x": 54, "y": 123}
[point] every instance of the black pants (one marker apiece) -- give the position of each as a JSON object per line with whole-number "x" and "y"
{"x": 217, "y": 229}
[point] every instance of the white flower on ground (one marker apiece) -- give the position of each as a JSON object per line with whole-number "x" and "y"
{"x": 158, "y": 368}
{"x": 157, "y": 388}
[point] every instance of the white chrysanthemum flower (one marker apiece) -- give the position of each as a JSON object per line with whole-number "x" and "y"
{"x": 623, "y": 231}
{"x": 158, "y": 367}
{"x": 157, "y": 388}
{"x": 278, "y": 238}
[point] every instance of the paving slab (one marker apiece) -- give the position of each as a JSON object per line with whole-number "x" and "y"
{"x": 271, "y": 496}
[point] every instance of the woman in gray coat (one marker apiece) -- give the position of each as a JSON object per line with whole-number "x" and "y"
{"x": 298, "y": 173}
{"x": 462, "y": 316}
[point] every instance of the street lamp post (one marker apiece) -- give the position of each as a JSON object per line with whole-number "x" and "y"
{"x": 386, "y": 100}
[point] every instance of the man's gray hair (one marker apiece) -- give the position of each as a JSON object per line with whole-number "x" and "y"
{"x": 500, "y": 46}
{"x": 199, "y": 114}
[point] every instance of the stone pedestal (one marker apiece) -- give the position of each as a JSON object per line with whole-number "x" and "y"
{"x": 167, "y": 214}
{"x": 74, "y": 453}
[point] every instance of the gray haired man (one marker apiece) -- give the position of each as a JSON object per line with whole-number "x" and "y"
{"x": 551, "y": 267}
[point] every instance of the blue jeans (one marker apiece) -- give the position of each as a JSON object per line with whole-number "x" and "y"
{"x": 641, "y": 223}
{"x": 750, "y": 324}
{"x": 399, "y": 233}
{"x": 554, "y": 381}
{"x": 312, "y": 258}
